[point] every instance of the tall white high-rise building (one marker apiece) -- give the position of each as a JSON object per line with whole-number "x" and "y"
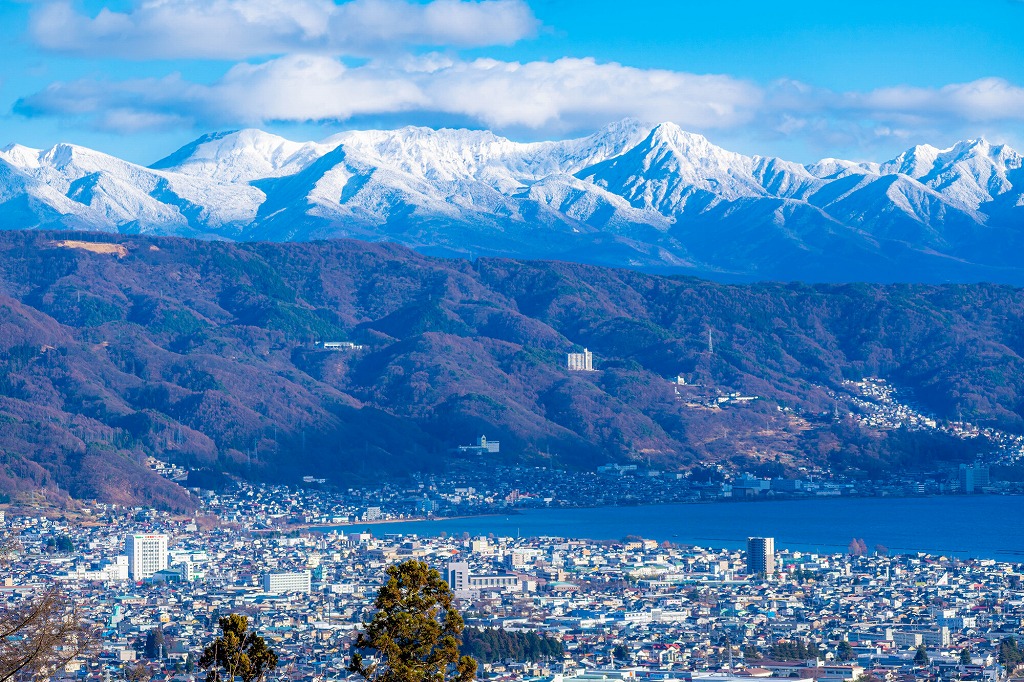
{"x": 147, "y": 554}
{"x": 581, "y": 362}
{"x": 761, "y": 556}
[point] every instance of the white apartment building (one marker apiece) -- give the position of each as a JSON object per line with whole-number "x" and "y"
{"x": 581, "y": 362}
{"x": 279, "y": 583}
{"x": 147, "y": 554}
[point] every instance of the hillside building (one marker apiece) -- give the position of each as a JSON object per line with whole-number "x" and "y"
{"x": 581, "y": 362}
{"x": 338, "y": 345}
{"x": 481, "y": 447}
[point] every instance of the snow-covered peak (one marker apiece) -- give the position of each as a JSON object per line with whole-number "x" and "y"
{"x": 454, "y": 155}
{"x": 916, "y": 162}
{"x": 243, "y": 156}
{"x": 665, "y": 169}
{"x": 969, "y": 173}
{"x": 21, "y": 156}
{"x": 71, "y": 161}
{"x": 629, "y": 179}
{"x": 683, "y": 142}
{"x": 611, "y": 141}
{"x": 63, "y": 155}
{"x": 830, "y": 169}
{"x": 444, "y": 155}
{"x": 979, "y": 155}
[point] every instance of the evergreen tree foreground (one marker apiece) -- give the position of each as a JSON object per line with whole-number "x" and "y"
{"x": 238, "y": 652}
{"x": 415, "y": 633}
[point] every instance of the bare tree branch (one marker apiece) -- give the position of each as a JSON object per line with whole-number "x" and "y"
{"x": 40, "y": 632}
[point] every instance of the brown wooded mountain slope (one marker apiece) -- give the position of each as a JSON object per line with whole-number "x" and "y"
{"x": 202, "y": 353}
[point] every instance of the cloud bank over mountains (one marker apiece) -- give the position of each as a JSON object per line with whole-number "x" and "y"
{"x": 566, "y": 94}
{"x": 563, "y": 96}
{"x": 320, "y": 61}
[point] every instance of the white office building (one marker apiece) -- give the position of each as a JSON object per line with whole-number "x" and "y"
{"x": 147, "y": 554}
{"x": 279, "y": 583}
{"x": 465, "y": 585}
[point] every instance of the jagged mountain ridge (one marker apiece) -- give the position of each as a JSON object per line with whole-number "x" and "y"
{"x": 657, "y": 198}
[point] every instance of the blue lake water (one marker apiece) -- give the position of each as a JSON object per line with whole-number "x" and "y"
{"x": 986, "y": 526}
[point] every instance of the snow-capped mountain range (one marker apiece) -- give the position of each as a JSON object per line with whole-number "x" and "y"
{"x": 654, "y": 197}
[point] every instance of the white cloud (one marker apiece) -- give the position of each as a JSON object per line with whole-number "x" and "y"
{"x": 566, "y": 94}
{"x": 542, "y": 98}
{"x": 828, "y": 121}
{"x": 242, "y": 29}
{"x": 570, "y": 93}
{"x": 986, "y": 99}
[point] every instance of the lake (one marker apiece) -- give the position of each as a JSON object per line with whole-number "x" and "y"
{"x": 984, "y": 526}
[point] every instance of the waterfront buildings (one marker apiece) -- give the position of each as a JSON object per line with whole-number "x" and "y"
{"x": 973, "y": 477}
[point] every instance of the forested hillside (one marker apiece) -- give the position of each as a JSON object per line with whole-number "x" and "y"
{"x": 205, "y": 354}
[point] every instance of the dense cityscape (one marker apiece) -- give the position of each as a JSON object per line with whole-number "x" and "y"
{"x": 153, "y": 585}
{"x": 511, "y": 341}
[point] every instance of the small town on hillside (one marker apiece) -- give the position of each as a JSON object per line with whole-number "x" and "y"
{"x": 155, "y": 584}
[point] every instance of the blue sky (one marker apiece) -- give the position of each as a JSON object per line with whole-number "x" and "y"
{"x": 802, "y": 80}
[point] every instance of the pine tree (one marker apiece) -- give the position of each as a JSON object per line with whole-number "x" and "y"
{"x": 415, "y": 632}
{"x": 1009, "y": 654}
{"x": 156, "y": 643}
{"x": 238, "y": 652}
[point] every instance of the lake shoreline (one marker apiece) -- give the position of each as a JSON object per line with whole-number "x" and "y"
{"x": 973, "y": 525}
